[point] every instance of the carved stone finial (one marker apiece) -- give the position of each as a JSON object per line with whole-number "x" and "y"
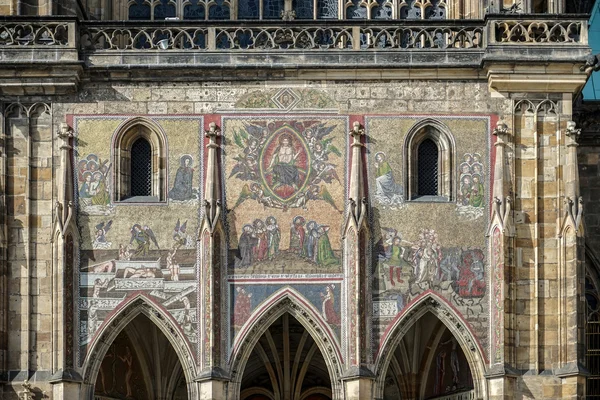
{"x": 65, "y": 133}
{"x": 357, "y": 131}
{"x": 572, "y": 131}
{"x": 500, "y": 129}
{"x": 213, "y": 131}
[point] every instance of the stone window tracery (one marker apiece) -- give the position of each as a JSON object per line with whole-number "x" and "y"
{"x": 429, "y": 159}
{"x": 140, "y": 171}
{"x": 274, "y": 9}
{"x": 182, "y": 9}
{"x": 395, "y": 9}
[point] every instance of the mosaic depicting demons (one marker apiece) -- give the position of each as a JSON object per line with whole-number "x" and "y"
{"x": 92, "y": 177}
{"x": 406, "y": 269}
{"x": 286, "y": 165}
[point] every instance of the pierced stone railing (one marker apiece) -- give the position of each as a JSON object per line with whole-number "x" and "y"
{"x": 36, "y": 33}
{"x": 250, "y": 36}
{"x": 536, "y": 31}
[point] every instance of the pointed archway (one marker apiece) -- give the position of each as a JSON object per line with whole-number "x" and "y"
{"x": 430, "y": 353}
{"x": 140, "y": 364}
{"x": 304, "y": 319}
{"x": 286, "y": 364}
{"x": 139, "y": 352}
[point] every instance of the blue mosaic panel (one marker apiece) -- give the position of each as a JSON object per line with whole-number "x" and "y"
{"x": 195, "y": 10}
{"x": 218, "y": 10}
{"x": 248, "y": 9}
{"x": 139, "y": 11}
{"x": 327, "y": 9}
{"x": 165, "y": 9}
{"x": 355, "y": 11}
{"x": 303, "y": 9}
{"x": 272, "y": 9}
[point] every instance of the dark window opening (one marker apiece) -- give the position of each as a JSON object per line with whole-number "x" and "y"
{"x": 427, "y": 159}
{"x": 141, "y": 168}
{"x": 540, "y": 6}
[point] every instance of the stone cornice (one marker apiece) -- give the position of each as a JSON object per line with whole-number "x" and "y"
{"x": 534, "y": 53}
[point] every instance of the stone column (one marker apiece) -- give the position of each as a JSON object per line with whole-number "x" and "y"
{"x": 212, "y": 378}
{"x": 571, "y": 274}
{"x": 65, "y": 379}
{"x": 358, "y": 378}
{"x": 502, "y": 370}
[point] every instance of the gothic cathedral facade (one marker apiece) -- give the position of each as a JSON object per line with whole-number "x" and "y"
{"x": 298, "y": 200}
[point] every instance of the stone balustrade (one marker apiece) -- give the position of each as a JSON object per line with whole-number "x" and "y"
{"x": 94, "y": 36}
{"x": 39, "y": 32}
{"x": 512, "y": 31}
{"x": 253, "y": 36}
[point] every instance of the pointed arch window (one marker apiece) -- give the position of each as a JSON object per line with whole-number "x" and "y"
{"x": 139, "y": 157}
{"x": 429, "y": 159}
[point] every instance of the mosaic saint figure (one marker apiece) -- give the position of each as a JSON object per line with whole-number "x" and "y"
{"x": 84, "y": 190}
{"x": 465, "y": 189}
{"x": 242, "y": 308}
{"x": 476, "y": 197}
{"x": 310, "y": 243}
{"x": 297, "y": 235}
{"x": 273, "y": 237}
{"x": 246, "y": 245}
{"x": 182, "y": 188}
{"x": 386, "y": 191}
{"x": 283, "y": 163}
{"x": 260, "y": 233}
{"x": 328, "y": 307}
{"x": 98, "y": 190}
{"x": 325, "y": 256}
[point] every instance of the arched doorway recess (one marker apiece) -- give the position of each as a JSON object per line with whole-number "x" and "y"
{"x": 286, "y": 364}
{"x": 429, "y": 353}
{"x": 156, "y": 345}
{"x": 140, "y": 364}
